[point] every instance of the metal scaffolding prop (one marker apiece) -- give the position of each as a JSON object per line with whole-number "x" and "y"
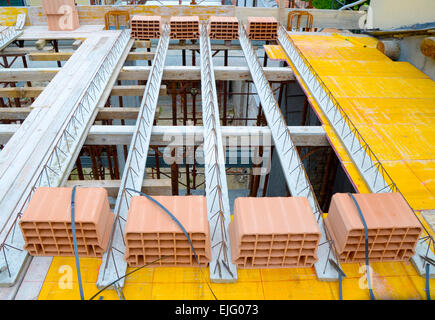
{"x": 7, "y": 35}
{"x": 370, "y": 168}
{"x": 222, "y": 268}
{"x": 114, "y": 266}
{"x": 57, "y": 164}
{"x": 293, "y": 168}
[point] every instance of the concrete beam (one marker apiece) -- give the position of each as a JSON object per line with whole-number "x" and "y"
{"x": 164, "y": 135}
{"x": 141, "y": 73}
{"x": 33, "y": 92}
{"x": 154, "y": 187}
{"x": 64, "y": 56}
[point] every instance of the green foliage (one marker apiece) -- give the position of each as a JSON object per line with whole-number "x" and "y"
{"x": 333, "y": 4}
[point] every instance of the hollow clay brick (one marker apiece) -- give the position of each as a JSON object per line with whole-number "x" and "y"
{"x": 223, "y": 28}
{"x": 150, "y": 233}
{"x": 262, "y": 28}
{"x": 146, "y": 27}
{"x": 184, "y": 27}
{"x": 274, "y": 233}
{"x": 393, "y": 229}
{"x": 46, "y": 222}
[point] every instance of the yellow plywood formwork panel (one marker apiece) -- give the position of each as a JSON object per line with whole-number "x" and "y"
{"x": 381, "y": 111}
{"x": 386, "y": 69}
{"x": 411, "y": 187}
{"x": 345, "y": 53}
{"x": 275, "y": 52}
{"x": 379, "y": 87}
{"x": 391, "y": 280}
{"x": 424, "y": 170}
{"x": 412, "y": 142}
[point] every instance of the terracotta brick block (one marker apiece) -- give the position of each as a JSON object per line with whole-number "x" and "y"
{"x": 274, "y": 233}
{"x": 53, "y": 6}
{"x": 150, "y": 233}
{"x": 46, "y": 222}
{"x": 146, "y": 27}
{"x": 393, "y": 228}
{"x": 223, "y": 28}
{"x": 184, "y": 27}
{"x": 262, "y": 28}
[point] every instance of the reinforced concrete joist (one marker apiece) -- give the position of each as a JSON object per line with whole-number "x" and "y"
{"x": 222, "y": 268}
{"x": 44, "y": 150}
{"x": 368, "y": 165}
{"x": 114, "y": 266}
{"x": 293, "y": 168}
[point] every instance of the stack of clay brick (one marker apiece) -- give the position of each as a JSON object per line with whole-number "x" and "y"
{"x": 262, "y": 28}
{"x": 46, "y": 222}
{"x": 223, "y": 28}
{"x": 393, "y": 229}
{"x": 146, "y": 27}
{"x": 274, "y": 233}
{"x": 184, "y": 27}
{"x": 150, "y": 233}
{"x": 61, "y": 15}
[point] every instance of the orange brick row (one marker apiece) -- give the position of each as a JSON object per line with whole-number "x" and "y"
{"x": 184, "y": 27}
{"x": 146, "y": 27}
{"x": 223, "y": 28}
{"x": 274, "y": 233}
{"x": 393, "y": 229}
{"x": 151, "y": 234}
{"x": 46, "y": 222}
{"x": 262, "y": 28}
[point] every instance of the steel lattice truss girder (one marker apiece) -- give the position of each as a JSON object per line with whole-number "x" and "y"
{"x": 222, "y": 268}
{"x": 114, "y": 266}
{"x": 293, "y": 168}
{"x": 7, "y": 35}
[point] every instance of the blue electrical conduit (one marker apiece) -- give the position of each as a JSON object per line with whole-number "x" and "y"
{"x": 76, "y": 255}
{"x": 427, "y": 281}
{"x": 366, "y": 236}
{"x": 73, "y": 227}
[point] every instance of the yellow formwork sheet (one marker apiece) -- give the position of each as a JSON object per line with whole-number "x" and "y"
{"x": 367, "y": 68}
{"x": 392, "y": 104}
{"x": 391, "y": 280}
{"x": 379, "y": 87}
{"x": 275, "y": 52}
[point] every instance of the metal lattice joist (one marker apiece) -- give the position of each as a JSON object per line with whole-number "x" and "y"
{"x": 368, "y": 165}
{"x": 222, "y": 269}
{"x": 114, "y": 266}
{"x": 8, "y": 35}
{"x": 59, "y": 160}
{"x": 292, "y": 166}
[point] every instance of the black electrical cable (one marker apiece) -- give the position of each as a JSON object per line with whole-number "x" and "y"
{"x": 181, "y": 227}
{"x": 126, "y": 275}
